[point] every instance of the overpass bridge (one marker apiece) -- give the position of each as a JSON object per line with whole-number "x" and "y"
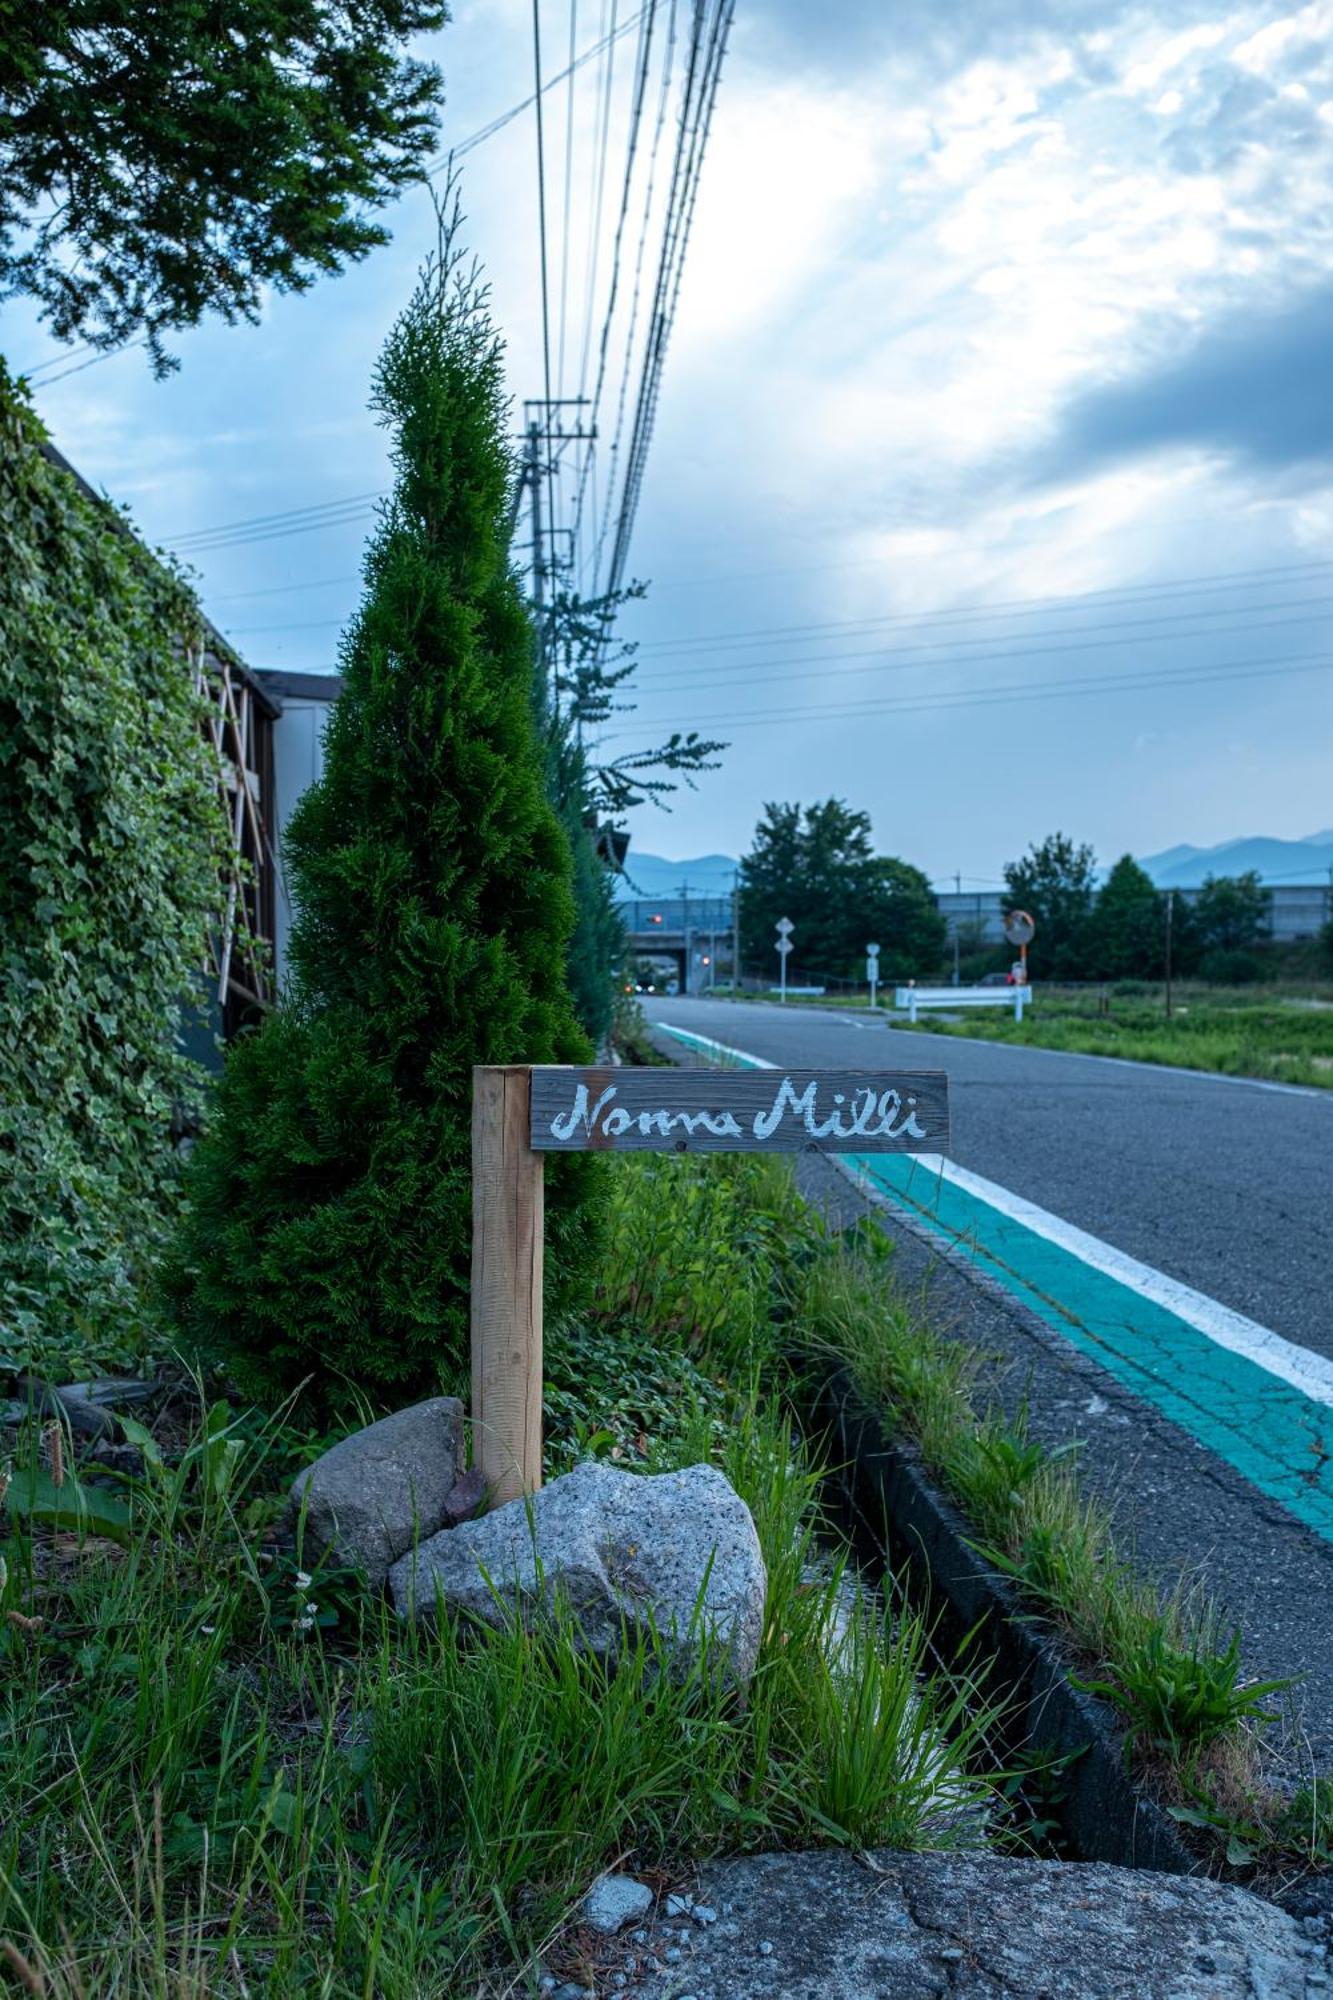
{"x": 691, "y": 933}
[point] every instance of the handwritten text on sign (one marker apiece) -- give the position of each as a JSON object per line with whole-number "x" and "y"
{"x": 730, "y": 1111}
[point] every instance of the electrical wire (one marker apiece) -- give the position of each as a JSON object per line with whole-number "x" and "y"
{"x": 1134, "y": 631}
{"x": 1295, "y": 664}
{"x": 636, "y": 293}
{"x": 267, "y": 527}
{"x": 441, "y": 162}
{"x": 695, "y": 126}
{"x": 641, "y": 73}
{"x": 569, "y": 191}
{"x": 1011, "y": 607}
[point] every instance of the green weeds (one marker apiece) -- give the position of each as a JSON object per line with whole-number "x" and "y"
{"x": 1162, "y": 1661}
{"x": 223, "y": 1775}
{"x": 1284, "y": 1038}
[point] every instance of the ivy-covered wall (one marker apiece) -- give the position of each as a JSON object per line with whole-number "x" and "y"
{"x": 111, "y": 843}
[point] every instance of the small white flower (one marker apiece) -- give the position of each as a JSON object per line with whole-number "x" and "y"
{"x": 303, "y": 1582}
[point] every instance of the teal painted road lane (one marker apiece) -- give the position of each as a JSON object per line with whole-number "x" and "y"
{"x": 1261, "y": 1403}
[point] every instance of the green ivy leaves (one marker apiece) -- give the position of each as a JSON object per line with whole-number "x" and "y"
{"x": 111, "y": 844}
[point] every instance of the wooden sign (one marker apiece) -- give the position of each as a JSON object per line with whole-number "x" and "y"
{"x": 739, "y": 1111}
{"x": 521, "y": 1113}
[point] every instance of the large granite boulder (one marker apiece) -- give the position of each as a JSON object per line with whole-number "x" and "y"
{"x": 382, "y": 1489}
{"x": 623, "y": 1550}
{"x": 834, "y": 1926}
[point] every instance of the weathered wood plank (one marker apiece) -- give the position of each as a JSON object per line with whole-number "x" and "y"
{"x": 507, "y": 1210}
{"x": 739, "y": 1111}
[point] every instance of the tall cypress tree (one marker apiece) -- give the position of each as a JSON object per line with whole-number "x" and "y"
{"x": 329, "y": 1232}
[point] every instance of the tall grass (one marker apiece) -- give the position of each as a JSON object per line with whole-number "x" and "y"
{"x": 209, "y": 1791}
{"x": 1163, "y": 1659}
{"x": 1281, "y": 1039}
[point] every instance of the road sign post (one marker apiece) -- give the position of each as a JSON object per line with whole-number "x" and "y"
{"x": 521, "y": 1113}
{"x": 784, "y": 927}
{"x": 1020, "y": 929}
{"x": 872, "y": 970}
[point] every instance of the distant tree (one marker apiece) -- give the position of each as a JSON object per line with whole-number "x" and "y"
{"x": 899, "y": 914}
{"x": 1230, "y": 922}
{"x": 817, "y": 866}
{"x": 330, "y": 1232}
{"x": 772, "y": 883}
{"x": 1231, "y": 912}
{"x": 1126, "y": 934}
{"x": 1054, "y": 882}
{"x": 1326, "y": 944}
{"x": 161, "y": 162}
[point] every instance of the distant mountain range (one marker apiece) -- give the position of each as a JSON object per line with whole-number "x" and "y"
{"x": 652, "y": 875}
{"x": 1182, "y": 867}
{"x": 1275, "y": 861}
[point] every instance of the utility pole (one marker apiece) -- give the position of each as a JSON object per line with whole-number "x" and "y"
{"x": 736, "y": 931}
{"x": 957, "y": 921}
{"x": 1170, "y": 918}
{"x": 545, "y": 439}
{"x": 533, "y": 477}
{"x": 686, "y": 984}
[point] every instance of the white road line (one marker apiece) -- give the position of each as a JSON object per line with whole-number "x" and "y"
{"x": 1297, "y": 1366}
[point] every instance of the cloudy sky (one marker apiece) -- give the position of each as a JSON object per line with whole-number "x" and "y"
{"x": 992, "y": 482}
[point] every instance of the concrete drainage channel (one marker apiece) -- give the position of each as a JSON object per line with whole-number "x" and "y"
{"x": 896, "y": 1519}
{"x": 899, "y": 1524}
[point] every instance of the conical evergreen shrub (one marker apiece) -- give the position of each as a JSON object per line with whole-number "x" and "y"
{"x": 329, "y": 1230}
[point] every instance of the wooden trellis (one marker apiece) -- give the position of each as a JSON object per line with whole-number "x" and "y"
{"x": 240, "y": 722}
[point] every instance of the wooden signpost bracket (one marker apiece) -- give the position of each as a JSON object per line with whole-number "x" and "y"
{"x": 521, "y": 1113}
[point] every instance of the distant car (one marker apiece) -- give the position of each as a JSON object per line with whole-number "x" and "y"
{"x": 996, "y": 979}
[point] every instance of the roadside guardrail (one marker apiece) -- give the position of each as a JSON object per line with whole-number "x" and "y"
{"x": 913, "y": 998}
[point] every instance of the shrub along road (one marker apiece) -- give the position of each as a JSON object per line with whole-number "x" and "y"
{"x": 1155, "y": 1255}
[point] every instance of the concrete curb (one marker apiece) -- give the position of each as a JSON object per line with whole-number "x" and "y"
{"x": 887, "y": 1499}
{"x": 883, "y": 1491}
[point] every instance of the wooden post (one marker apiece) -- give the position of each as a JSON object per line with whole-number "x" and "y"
{"x": 507, "y": 1213}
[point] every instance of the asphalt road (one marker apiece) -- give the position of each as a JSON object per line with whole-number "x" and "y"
{"x": 1225, "y": 1185}
{"x": 1215, "y": 1469}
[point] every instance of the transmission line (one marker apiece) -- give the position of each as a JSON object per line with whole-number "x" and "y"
{"x": 692, "y": 140}
{"x": 1137, "y": 680}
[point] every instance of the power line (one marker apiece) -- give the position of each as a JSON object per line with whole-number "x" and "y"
{"x": 286, "y": 589}
{"x": 639, "y": 87}
{"x": 692, "y": 140}
{"x": 1016, "y": 691}
{"x": 569, "y": 189}
{"x": 1215, "y": 580}
{"x": 263, "y": 527}
{"x": 599, "y": 192}
{"x": 541, "y": 191}
{"x": 1133, "y": 632}
{"x": 1011, "y": 607}
{"x": 484, "y": 132}
{"x": 659, "y": 126}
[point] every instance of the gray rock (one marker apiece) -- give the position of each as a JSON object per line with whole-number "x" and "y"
{"x": 379, "y": 1490}
{"x": 465, "y": 1499}
{"x": 622, "y": 1550}
{"x": 616, "y": 1900}
{"x": 985, "y": 1927}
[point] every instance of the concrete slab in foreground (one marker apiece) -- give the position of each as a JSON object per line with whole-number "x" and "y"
{"x": 830, "y": 1926}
